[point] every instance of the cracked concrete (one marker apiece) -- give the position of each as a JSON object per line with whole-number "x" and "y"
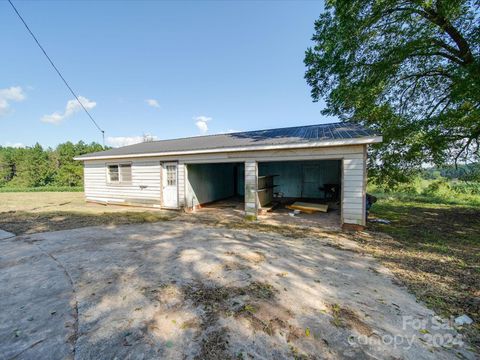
{"x": 181, "y": 290}
{"x": 5, "y": 234}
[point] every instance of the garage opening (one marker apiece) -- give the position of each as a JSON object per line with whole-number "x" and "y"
{"x": 284, "y": 184}
{"x": 215, "y": 184}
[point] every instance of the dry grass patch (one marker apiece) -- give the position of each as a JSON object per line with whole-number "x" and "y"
{"x": 254, "y": 303}
{"x": 345, "y": 317}
{"x": 21, "y": 222}
{"x": 34, "y": 212}
{"x": 435, "y": 251}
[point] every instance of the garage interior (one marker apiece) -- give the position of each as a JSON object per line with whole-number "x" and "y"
{"x": 221, "y": 187}
{"x": 210, "y": 183}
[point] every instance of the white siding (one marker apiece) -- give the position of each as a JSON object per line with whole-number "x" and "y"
{"x": 354, "y": 185}
{"x": 251, "y": 179}
{"x": 144, "y": 189}
{"x": 181, "y": 185}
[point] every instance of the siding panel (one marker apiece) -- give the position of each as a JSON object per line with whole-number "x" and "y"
{"x": 353, "y": 192}
{"x": 144, "y": 188}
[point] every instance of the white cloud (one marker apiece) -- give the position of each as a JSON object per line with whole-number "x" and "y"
{"x": 118, "y": 141}
{"x": 153, "y": 103}
{"x": 54, "y": 118}
{"x": 15, "y": 145}
{"x": 201, "y": 123}
{"x": 71, "y": 108}
{"x": 13, "y": 93}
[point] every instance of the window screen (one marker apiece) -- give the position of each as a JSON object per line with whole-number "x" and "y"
{"x": 113, "y": 173}
{"x": 171, "y": 175}
{"x": 126, "y": 172}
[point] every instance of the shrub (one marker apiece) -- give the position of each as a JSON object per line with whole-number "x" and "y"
{"x": 437, "y": 187}
{"x": 468, "y": 188}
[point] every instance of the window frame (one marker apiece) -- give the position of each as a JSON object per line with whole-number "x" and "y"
{"x": 171, "y": 180}
{"x": 120, "y": 180}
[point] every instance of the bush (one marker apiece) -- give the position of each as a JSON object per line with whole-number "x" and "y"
{"x": 469, "y": 188}
{"x": 437, "y": 187}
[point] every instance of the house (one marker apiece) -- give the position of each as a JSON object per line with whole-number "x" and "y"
{"x": 294, "y": 163}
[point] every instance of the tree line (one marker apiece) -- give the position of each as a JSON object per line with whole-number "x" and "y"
{"x": 37, "y": 166}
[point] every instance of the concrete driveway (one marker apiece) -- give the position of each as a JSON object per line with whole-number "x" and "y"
{"x": 181, "y": 290}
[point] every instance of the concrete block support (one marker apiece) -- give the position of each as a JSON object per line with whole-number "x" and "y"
{"x": 251, "y": 180}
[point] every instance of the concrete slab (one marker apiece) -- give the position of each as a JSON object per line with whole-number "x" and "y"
{"x": 5, "y": 234}
{"x": 184, "y": 290}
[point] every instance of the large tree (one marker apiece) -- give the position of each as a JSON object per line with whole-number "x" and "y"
{"x": 408, "y": 69}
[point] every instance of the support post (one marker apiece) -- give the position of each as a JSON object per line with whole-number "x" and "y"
{"x": 353, "y": 192}
{"x": 181, "y": 175}
{"x": 251, "y": 181}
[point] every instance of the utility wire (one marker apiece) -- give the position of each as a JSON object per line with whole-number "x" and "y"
{"x": 58, "y": 72}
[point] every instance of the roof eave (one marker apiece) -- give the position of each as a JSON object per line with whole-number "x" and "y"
{"x": 339, "y": 142}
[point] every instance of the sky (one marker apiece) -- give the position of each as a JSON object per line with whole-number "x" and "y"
{"x": 166, "y": 69}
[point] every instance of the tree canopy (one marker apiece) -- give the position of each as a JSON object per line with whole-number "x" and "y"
{"x": 407, "y": 69}
{"x": 35, "y": 166}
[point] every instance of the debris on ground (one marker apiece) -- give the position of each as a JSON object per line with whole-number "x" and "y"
{"x": 308, "y": 208}
{"x": 380, "y": 221}
{"x": 463, "y": 320}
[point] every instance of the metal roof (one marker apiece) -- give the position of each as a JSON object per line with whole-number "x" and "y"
{"x": 283, "y": 136}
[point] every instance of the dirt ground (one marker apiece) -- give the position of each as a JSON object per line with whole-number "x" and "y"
{"x": 180, "y": 289}
{"x": 233, "y": 210}
{"x": 34, "y": 212}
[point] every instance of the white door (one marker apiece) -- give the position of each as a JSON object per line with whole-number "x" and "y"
{"x": 170, "y": 192}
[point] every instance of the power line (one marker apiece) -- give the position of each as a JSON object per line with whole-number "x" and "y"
{"x": 58, "y": 72}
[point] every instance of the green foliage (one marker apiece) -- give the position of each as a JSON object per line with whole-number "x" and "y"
{"x": 39, "y": 168}
{"x": 407, "y": 69}
{"x": 438, "y": 191}
{"x": 472, "y": 188}
{"x": 69, "y": 175}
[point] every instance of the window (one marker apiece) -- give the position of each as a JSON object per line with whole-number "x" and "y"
{"x": 172, "y": 175}
{"x": 120, "y": 173}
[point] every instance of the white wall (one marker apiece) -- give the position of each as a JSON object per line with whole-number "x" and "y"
{"x": 209, "y": 182}
{"x": 145, "y": 187}
{"x": 354, "y": 190}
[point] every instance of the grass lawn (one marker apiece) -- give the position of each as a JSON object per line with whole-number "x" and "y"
{"x": 33, "y": 212}
{"x": 435, "y": 250}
